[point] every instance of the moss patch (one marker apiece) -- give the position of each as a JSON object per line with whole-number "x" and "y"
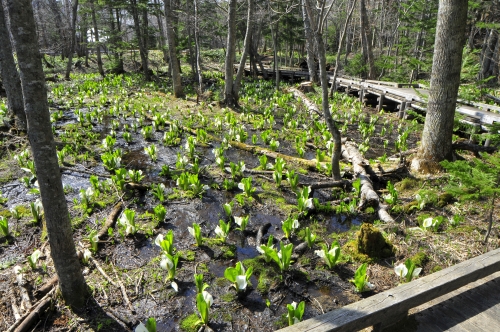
{"x": 371, "y": 242}
{"x": 189, "y": 324}
{"x": 266, "y": 273}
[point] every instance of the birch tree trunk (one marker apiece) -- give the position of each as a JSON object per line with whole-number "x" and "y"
{"x": 341, "y": 41}
{"x": 174, "y": 63}
{"x": 10, "y": 76}
{"x": 73, "y": 39}
{"x": 317, "y": 21}
{"x": 445, "y": 79}
{"x": 197, "y": 49}
{"x": 246, "y": 49}
{"x": 57, "y": 220}
{"x": 230, "y": 53}
{"x": 313, "y": 73}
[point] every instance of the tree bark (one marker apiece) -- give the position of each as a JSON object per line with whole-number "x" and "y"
{"x": 489, "y": 62}
{"x": 43, "y": 148}
{"x": 174, "y": 63}
{"x": 11, "y": 80}
{"x": 317, "y": 22}
{"x": 341, "y": 41}
{"x": 445, "y": 79}
{"x": 96, "y": 34}
{"x": 140, "y": 39}
{"x": 230, "y": 53}
{"x": 73, "y": 39}
{"x": 366, "y": 41}
{"x": 311, "y": 65}
{"x": 197, "y": 49}
{"x": 246, "y": 49}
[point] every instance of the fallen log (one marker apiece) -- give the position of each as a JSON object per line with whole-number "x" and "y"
{"x": 368, "y": 196}
{"x": 495, "y": 99}
{"x": 309, "y": 164}
{"x": 312, "y": 108}
{"x": 30, "y": 317}
{"x": 46, "y": 287}
{"x": 21, "y": 283}
{"x": 466, "y": 145}
{"x": 110, "y": 220}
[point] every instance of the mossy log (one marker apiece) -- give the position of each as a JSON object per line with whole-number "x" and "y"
{"x": 309, "y": 164}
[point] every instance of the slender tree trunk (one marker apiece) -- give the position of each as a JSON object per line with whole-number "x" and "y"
{"x": 366, "y": 41}
{"x": 174, "y": 63}
{"x": 163, "y": 41}
{"x": 246, "y": 49}
{"x": 197, "y": 50}
{"x": 73, "y": 39}
{"x": 96, "y": 34}
{"x": 317, "y": 23}
{"x": 274, "y": 33}
{"x": 57, "y": 220}
{"x": 489, "y": 63}
{"x": 230, "y": 53}
{"x": 445, "y": 79}
{"x": 10, "y": 76}
{"x": 341, "y": 41}
{"x": 140, "y": 39}
{"x": 313, "y": 73}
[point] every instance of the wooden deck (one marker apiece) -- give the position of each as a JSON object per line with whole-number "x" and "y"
{"x": 463, "y": 297}
{"x": 474, "y": 307}
{"x": 402, "y": 95}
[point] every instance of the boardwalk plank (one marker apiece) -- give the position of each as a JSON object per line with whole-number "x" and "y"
{"x": 377, "y": 308}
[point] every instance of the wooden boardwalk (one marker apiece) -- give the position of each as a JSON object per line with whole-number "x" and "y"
{"x": 474, "y": 307}
{"x": 399, "y": 95}
{"x": 462, "y": 297}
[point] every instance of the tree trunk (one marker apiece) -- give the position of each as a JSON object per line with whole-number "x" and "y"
{"x": 489, "y": 62}
{"x": 140, "y": 39}
{"x": 163, "y": 41}
{"x": 341, "y": 41}
{"x": 274, "y": 33}
{"x": 174, "y": 63}
{"x": 96, "y": 34}
{"x": 246, "y": 49}
{"x": 57, "y": 220}
{"x": 197, "y": 49}
{"x": 11, "y": 80}
{"x": 317, "y": 23}
{"x": 445, "y": 79}
{"x": 311, "y": 65}
{"x": 366, "y": 41}
{"x": 230, "y": 52}
{"x": 73, "y": 39}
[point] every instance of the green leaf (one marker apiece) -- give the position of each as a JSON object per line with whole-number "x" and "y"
{"x": 231, "y": 273}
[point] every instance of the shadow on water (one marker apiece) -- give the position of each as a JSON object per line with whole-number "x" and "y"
{"x": 342, "y": 223}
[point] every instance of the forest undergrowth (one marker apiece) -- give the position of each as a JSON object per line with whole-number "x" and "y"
{"x": 195, "y": 214}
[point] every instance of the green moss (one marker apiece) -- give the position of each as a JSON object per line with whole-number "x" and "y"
{"x": 420, "y": 258}
{"x": 202, "y": 268}
{"x": 228, "y": 297}
{"x": 188, "y": 255}
{"x": 222, "y": 282}
{"x": 371, "y": 242}
{"x": 267, "y": 273}
{"x": 189, "y": 323}
{"x": 436, "y": 268}
{"x": 407, "y": 184}
{"x": 444, "y": 199}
